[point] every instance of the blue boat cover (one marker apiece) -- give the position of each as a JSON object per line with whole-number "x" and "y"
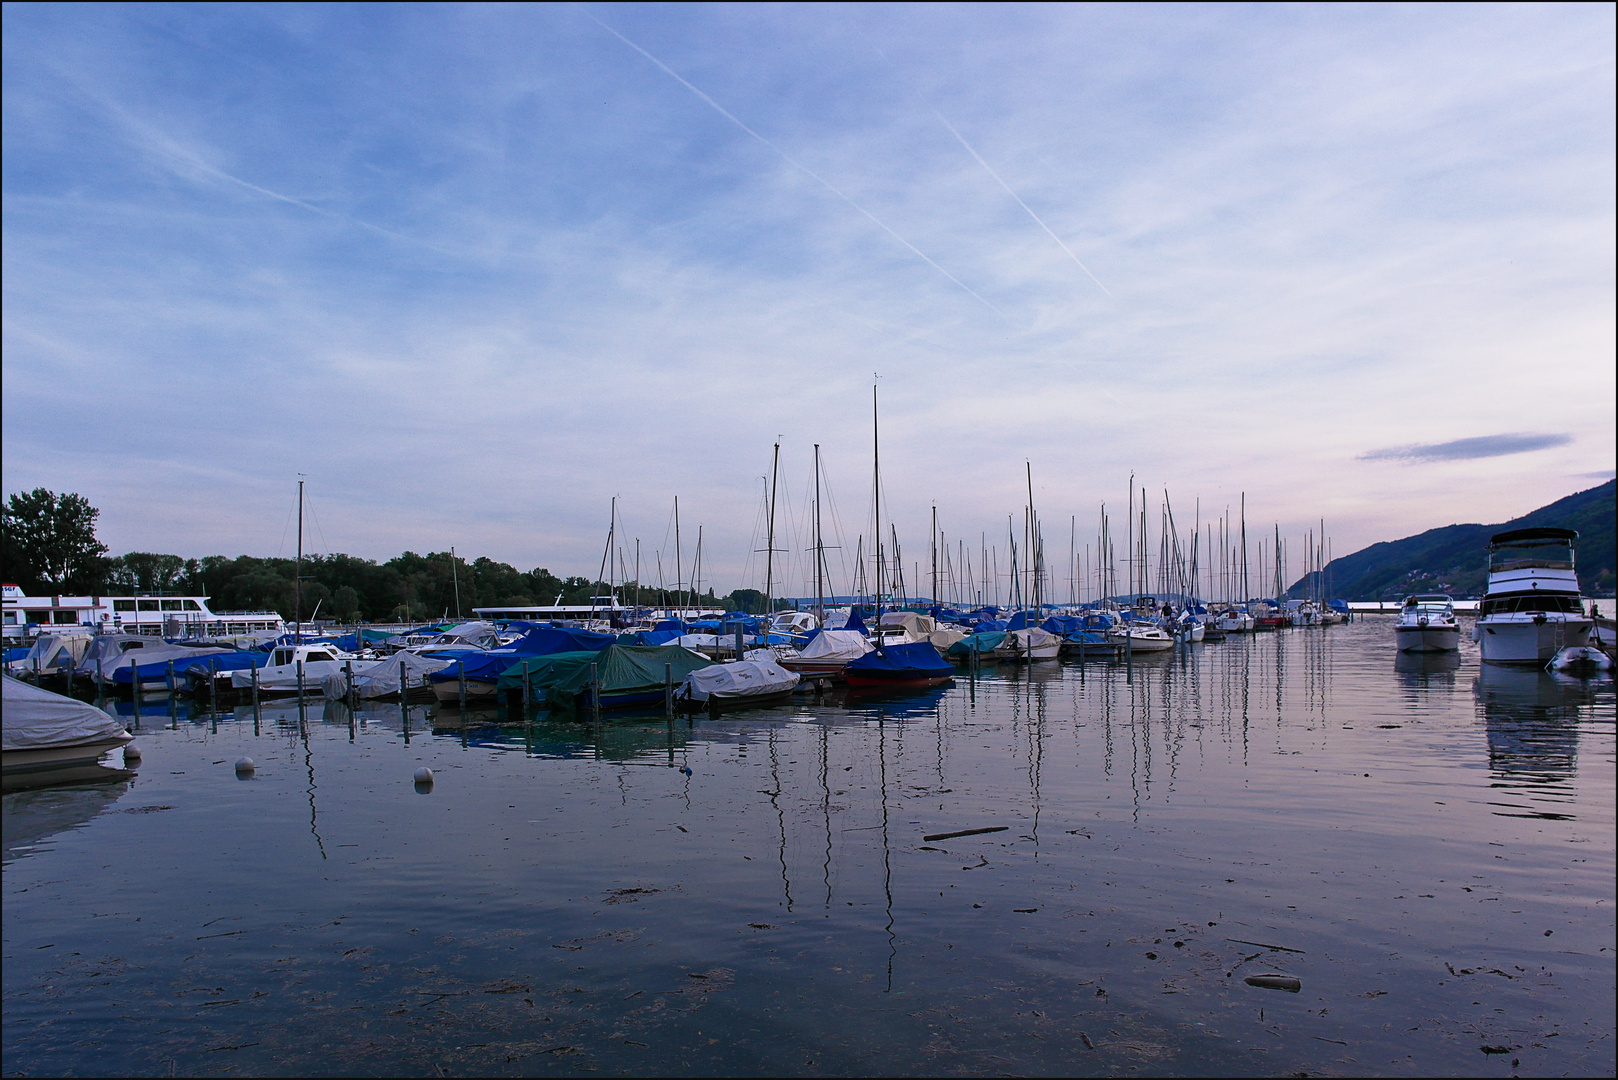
{"x": 987, "y": 625}
{"x": 540, "y": 641}
{"x": 1062, "y": 625}
{"x": 855, "y": 622}
{"x": 229, "y": 661}
{"x": 916, "y": 660}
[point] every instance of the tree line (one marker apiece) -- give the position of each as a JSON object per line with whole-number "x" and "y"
{"x": 50, "y": 547}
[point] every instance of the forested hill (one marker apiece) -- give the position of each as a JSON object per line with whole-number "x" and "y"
{"x": 1453, "y": 559}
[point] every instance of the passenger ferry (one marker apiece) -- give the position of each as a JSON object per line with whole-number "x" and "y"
{"x": 1532, "y": 606}
{"x": 23, "y": 617}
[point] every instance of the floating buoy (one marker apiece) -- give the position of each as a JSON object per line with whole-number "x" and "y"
{"x": 685, "y": 770}
{"x": 424, "y": 775}
{"x": 243, "y": 765}
{"x": 1275, "y": 982}
{"x": 131, "y": 753}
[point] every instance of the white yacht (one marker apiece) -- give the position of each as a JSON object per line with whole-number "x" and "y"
{"x": 1427, "y": 624}
{"x": 1532, "y": 606}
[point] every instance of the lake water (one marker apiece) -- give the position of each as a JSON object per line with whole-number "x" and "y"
{"x": 1426, "y": 845}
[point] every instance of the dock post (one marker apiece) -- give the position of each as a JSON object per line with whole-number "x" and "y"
{"x": 739, "y": 645}
{"x": 101, "y": 681}
{"x": 254, "y": 663}
{"x": 299, "y": 669}
{"x": 348, "y": 672}
{"x": 134, "y": 683}
{"x": 527, "y": 690}
{"x": 668, "y": 692}
{"x": 70, "y": 680}
{"x": 404, "y": 694}
{"x": 213, "y": 684}
{"x": 1129, "y": 656}
{"x": 595, "y": 694}
{"x": 171, "y": 678}
{"x": 462, "y": 663}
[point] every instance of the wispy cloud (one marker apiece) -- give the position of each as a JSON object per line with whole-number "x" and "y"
{"x": 1479, "y": 446}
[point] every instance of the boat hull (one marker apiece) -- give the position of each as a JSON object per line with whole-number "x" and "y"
{"x": 896, "y": 681}
{"x": 1527, "y": 641}
{"x": 43, "y": 758}
{"x": 1428, "y": 638}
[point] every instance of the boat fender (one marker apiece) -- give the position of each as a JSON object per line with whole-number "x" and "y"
{"x": 243, "y": 765}
{"x": 131, "y": 753}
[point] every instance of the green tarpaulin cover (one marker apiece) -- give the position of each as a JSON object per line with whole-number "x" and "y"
{"x": 558, "y": 679}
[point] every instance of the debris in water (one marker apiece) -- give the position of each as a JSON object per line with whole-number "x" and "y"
{"x": 964, "y": 832}
{"x": 1275, "y": 982}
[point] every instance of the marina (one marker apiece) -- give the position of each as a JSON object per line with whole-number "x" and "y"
{"x": 1423, "y": 842}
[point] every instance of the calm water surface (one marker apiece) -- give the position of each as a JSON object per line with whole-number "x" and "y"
{"x": 1427, "y": 845}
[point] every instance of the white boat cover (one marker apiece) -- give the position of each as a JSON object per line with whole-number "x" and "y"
{"x": 1033, "y": 639}
{"x": 743, "y": 679}
{"x": 110, "y": 653}
{"x": 842, "y": 645}
{"x": 51, "y": 652}
{"x": 35, "y": 718}
{"x": 943, "y": 637}
{"x": 382, "y": 678}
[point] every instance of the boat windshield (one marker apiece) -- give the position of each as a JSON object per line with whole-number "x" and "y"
{"x": 1523, "y": 554}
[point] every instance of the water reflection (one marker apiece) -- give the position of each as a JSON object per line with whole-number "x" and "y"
{"x": 1531, "y": 720}
{"x": 33, "y": 816}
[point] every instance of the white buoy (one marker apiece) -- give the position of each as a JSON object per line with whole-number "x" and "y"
{"x": 424, "y": 775}
{"x": 131, "y": 753}
{"x": 245, "y": 765}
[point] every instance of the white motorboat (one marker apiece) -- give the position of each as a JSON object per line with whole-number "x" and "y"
{"x": 299, "y": 667}
{"x": 1532, "y": 607}
{"x": 1141, "y": 637}
{"x": 1427, "y": 624}
{"x": 42, "y": 731}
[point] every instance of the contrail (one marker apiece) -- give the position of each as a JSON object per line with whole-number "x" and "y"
{"x": 720, "y": 109}
{"x": 1020, "y": 203}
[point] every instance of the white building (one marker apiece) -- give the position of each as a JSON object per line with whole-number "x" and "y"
{"x": 23, "y": 617}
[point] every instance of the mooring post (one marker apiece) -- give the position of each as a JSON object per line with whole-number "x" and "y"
{"x": 1129, "y": 655}
{"x": 134, "y": 683}
{"x": 739, "y": 645}
{"x": 404, "y": 694}
{"x": 253, "y": 662}
{"x": 213, "y": 685}
{"x": 70, "y": 677}
{"x": 462, "y": 663}
{"x": 171, "y": 678}
{"x": 668, "y": 692}
{"x": 527, "y": 690}
{"x": 299, "y": 668}
{"x": 595, "y": 694}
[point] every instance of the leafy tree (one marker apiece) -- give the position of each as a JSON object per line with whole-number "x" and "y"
{"x": 345, "y": 602}
{"x": 50, "y": 542}
{"x": 146, "y": 572}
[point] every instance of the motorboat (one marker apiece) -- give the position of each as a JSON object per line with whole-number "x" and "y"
{"x": 1427, "y": 624}
{"x": 42, "y": 731}
{"x": 384, "y": 680}
{"x": 295, "y": 669}
{"x": 1030, "y": 643}
{"x": 1531, "y": 608}
{"x": 1141, "y": 637}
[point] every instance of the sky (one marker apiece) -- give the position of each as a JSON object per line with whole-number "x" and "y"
{"x": 475, "y": 271}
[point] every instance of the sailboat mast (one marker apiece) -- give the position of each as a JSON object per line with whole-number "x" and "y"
{"x": 935, "y": 555}
{"x": 769, "y": 539}
{"x": 455, "y": 576}
{"x": 678, "y": 578}
{"x": 820, "y": 551}
{"x": 297, "y": 588}
{"x": 876, "y": 497}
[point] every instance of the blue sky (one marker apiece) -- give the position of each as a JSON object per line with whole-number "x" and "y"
{"x": 475, "y": 270}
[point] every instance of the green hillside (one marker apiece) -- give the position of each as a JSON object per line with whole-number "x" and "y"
{"x": 1453, "y": 559}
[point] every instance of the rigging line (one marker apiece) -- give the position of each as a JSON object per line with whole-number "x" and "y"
{"x": 797, "y": 165}
{"x": 1020, "y": 203}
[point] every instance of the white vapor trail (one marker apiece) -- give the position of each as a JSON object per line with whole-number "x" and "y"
{"x": 1020, "y": 203}
{"x": 720, "y": 109}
